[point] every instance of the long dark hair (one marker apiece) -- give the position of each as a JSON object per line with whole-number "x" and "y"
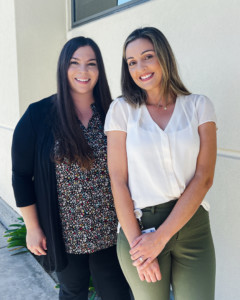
{"x": 71, "y": 143}
{"x": 171, "y": 82}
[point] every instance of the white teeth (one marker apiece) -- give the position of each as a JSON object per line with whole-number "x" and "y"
{"x": 147, "y": 76}
{"x": 82, "y": 80}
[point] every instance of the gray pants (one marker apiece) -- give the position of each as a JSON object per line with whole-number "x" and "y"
{"x": 187, "y": 262}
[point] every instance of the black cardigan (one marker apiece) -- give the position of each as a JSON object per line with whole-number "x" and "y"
{"x": 34, "y": 177}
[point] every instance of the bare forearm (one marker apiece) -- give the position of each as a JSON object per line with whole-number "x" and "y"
{"x": 184, "y": 209}
{"x": 118, "y": 171}
{"x": 30, "y": 216}
{"x": 125, "y": 211}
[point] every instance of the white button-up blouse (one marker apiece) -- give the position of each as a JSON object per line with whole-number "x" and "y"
{"x": 161, "y": 163}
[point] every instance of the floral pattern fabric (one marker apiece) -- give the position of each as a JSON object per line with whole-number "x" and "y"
{"x": 86, "y": 206}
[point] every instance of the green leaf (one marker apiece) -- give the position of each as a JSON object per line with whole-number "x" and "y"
{"x": 93, "y": 296}
{"x": 12, "y": 234}
{"x": 17, "y": 234}
{"x": 18, "y": 248}
{"x": 7, "y": 235}
{"x": 19, "y": 252}
{"x": 10, "y": 230}
{"x": 91, "y": 282}
{"x": 17, "y": 237}
{"x": 15, "y": 244}
{"x": 15, "y": 225}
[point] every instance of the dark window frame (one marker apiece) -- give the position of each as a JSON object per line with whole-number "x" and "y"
{"x": 103, "y": 13}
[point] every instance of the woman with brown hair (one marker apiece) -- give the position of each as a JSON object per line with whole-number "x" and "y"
{"x": 161, "y": 158}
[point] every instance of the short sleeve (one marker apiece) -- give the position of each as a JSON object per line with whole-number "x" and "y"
{"x": 205, "y": 110}
{"x": 117, "y": 116}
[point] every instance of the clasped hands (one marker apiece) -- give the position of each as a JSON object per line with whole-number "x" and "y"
{"x": 144, "y": 252}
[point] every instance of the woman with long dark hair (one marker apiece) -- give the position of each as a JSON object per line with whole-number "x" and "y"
{"x": 60, "y": 178}
{"x": 162, "y": 154}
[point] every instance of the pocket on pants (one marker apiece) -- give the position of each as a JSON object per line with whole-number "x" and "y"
{"x": 198, "y": 226}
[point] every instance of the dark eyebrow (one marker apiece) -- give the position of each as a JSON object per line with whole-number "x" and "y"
{"x": 91, "y": 59}
{"x": 142, "y": 53}
{"x": 147, "y": 51}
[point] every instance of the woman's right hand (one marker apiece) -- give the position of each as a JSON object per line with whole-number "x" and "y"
{"x": 151, "y": 273}
{"x": 36, "y": 241}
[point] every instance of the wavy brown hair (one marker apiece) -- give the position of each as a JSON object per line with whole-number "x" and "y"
{"x": 171, "y": 83}
{"x": 71, "y": 143}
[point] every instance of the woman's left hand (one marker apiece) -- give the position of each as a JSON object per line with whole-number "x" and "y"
{"x": 151, "y": 273}
{"x": 145, "y": 248}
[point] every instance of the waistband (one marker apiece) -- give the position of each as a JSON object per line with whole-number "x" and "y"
{"x": 159, "y": 207}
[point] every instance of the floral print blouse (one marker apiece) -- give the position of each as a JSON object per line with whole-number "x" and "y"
{"x": 86, "y": 207}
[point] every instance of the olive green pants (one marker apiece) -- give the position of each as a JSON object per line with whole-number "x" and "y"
{"x": 187, "y": 262}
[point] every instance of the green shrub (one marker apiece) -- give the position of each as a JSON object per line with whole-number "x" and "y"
{"x": 92, "y": 289}
{"x": 17, "y": 241}
{"x": 17, "y": 237}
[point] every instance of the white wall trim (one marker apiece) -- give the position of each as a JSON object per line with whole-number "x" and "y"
{"x": 6, "y": 127}
{"x": 229, "y": 153}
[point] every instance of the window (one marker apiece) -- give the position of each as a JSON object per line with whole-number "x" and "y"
{"x": 84, "y": 11}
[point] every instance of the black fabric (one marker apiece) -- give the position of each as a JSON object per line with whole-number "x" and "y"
{"x": 106, "y": 273}
{"x": 34, "y": 178}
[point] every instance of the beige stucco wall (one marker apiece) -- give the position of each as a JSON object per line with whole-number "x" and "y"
{"x": 31, "y": 36}
{"x": 224, "y": 214}
{"x": 9, "y": 105}
{"x": 40, "y": 32}
{"x": 205, "y": 37}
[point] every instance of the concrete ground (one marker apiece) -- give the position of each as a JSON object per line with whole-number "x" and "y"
{"x": 21, "y": 276}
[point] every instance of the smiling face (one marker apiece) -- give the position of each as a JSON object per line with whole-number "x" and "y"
{"x": 143, "y": 65}
{"x": 83, "y": 72}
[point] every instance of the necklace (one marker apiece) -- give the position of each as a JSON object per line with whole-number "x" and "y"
{"x": 164, "y": 107}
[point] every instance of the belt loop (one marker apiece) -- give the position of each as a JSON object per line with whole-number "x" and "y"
{"x": 153, "y": 210}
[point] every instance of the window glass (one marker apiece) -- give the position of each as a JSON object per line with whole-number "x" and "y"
{"x": 123, "y": 1}
{"x": 84, "y": 11}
